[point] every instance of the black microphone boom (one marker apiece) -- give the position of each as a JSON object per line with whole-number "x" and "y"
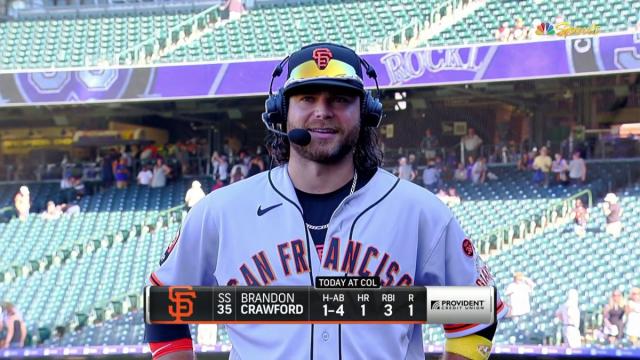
{"x": 299, "y": 137}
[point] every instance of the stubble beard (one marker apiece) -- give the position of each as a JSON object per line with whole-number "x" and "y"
{"x": 318, "y": 152}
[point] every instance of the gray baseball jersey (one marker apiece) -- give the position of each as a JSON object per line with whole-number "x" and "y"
{"x": 253, "y": 233}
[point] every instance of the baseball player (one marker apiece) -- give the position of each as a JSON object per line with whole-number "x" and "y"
{"x": 327, "y": 209}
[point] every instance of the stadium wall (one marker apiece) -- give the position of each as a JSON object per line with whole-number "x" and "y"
{"x": 576, "y": 56}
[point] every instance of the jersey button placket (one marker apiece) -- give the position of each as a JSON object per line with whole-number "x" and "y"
{"x": 325, "y": 336}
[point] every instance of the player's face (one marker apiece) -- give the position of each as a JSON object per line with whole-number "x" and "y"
{"x": 332, "y": 118}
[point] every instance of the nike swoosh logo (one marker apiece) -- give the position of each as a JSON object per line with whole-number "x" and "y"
{"x": 265, "y": 210}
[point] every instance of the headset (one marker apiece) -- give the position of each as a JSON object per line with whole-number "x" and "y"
{"x": 275, "y": 113}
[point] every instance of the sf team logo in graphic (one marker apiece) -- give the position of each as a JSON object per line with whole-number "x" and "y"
{"x": 182, "y": 302}
{"x": 322, "y": 57}
{"x": 467, "y": 247}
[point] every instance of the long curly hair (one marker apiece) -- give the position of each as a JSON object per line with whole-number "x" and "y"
{"x": 367, "y": 155}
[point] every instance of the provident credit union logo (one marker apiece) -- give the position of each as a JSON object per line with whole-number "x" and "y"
{"x": 182, "y": 302}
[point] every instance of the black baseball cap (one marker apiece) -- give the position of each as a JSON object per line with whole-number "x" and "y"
{"x": 324, "y": 64}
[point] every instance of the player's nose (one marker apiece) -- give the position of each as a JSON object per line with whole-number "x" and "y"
{"x": 322, "y": 109}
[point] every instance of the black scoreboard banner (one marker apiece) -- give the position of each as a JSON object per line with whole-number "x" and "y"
{"x": 330, "y": 304}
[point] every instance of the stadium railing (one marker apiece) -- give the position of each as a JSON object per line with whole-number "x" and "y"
{"x": 166, "y": 41}
{"x": 557, "y": 213}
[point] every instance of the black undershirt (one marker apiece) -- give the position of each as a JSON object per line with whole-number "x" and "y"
{"x": 318, "y": 208}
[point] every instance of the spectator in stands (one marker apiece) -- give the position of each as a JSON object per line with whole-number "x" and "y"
{"x": 633, "y": 316}
{"x": 569, "y": 316}
{"x": 160, "y": 173}
{"x": 404, "y": 170}
{"x": 145, "y": 175}
{"x": 518, "y": 293}
{"x": 16, "y": 329}
{"x": 257, "y": 166}
{"x": 236, "y": 173}
{"x": 614, "y": 317}
{"x": 207, "y": 334}
{"x": 65, "y": 183}
{"x": 149, "y": 152}
{"x": 243, "y": 162}
{"x": 461, "y": 173}
{"x": 454, "y": 198}
{"x": 182, "y": 155}
{"x": 577, "y": 169}
{"x": 470, "y": 162}
{"x": 122, "y": 173}
{"x": 69, "y": 209}
{"x": 472, "y": 142}
{"x": 479, "y": 171}
{"x": 223, "y": 170}
{"x": 524, "y": 163}
{"x": 559, "y": 167}
{"x": 127, "y": 155}
{"x": 79, "y": 189}
{"x": 22, "y": 202}
{"x": 542, "y": 167}
{"x": 519, "y": 32}
{"x": 215, "y": 164}
{"x": 613, "y": 212}
{"x": 53, "y": 212}
{"x": 107, "y": 168}
{"x": 411, "y": 160}
{"x": 428, "y": 145}
{"x": 431, "y": 177}
{"x": 217, "y": 185}
{"x": 503, "y": 32}
{"x": 194, "y": 194}
{"x": 580, "y": 217}
{"x": 442, "y": 195}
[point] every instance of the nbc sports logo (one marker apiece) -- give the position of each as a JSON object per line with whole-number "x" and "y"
{"x": 435, "y": 305}
{"x": 545, "y": 29}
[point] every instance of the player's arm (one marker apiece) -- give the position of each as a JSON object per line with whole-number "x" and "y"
{"x": 189, "y": 260}
{"x": 453, "y": 261}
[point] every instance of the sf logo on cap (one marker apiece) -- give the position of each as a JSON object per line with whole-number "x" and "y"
{"x": 322, "y": 57}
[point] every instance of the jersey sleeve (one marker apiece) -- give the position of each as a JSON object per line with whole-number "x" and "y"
{"x": 454, "y": 261}
{"x": 190, "y": 259}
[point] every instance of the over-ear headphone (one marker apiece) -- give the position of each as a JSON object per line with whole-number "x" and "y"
{"x": 275, "y": 113}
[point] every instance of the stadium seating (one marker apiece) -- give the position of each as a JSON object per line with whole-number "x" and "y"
{"x": 275, "y": 30}
{"x": 38, "y": 191}
{"x": 557, "y": 261}
{"x": 96, "y": 287}
{"x": 81, "y": 41}
{"x": 104, "y": 214}
{"x": 84, "y": 267}
{"x": 614, "y": 15}
{"x": 513, "y": 199}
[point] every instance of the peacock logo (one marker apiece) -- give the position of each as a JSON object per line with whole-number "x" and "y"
{"x": 545, "y": 29}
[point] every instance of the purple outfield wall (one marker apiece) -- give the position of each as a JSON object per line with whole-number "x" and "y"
{"x": 132, "y": 350}
{"x": 555, "y": 57}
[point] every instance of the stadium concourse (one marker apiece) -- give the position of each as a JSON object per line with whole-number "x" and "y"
{"x": 76, "y": 83}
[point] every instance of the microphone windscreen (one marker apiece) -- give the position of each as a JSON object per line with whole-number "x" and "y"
{"x": 299, "y": 137}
